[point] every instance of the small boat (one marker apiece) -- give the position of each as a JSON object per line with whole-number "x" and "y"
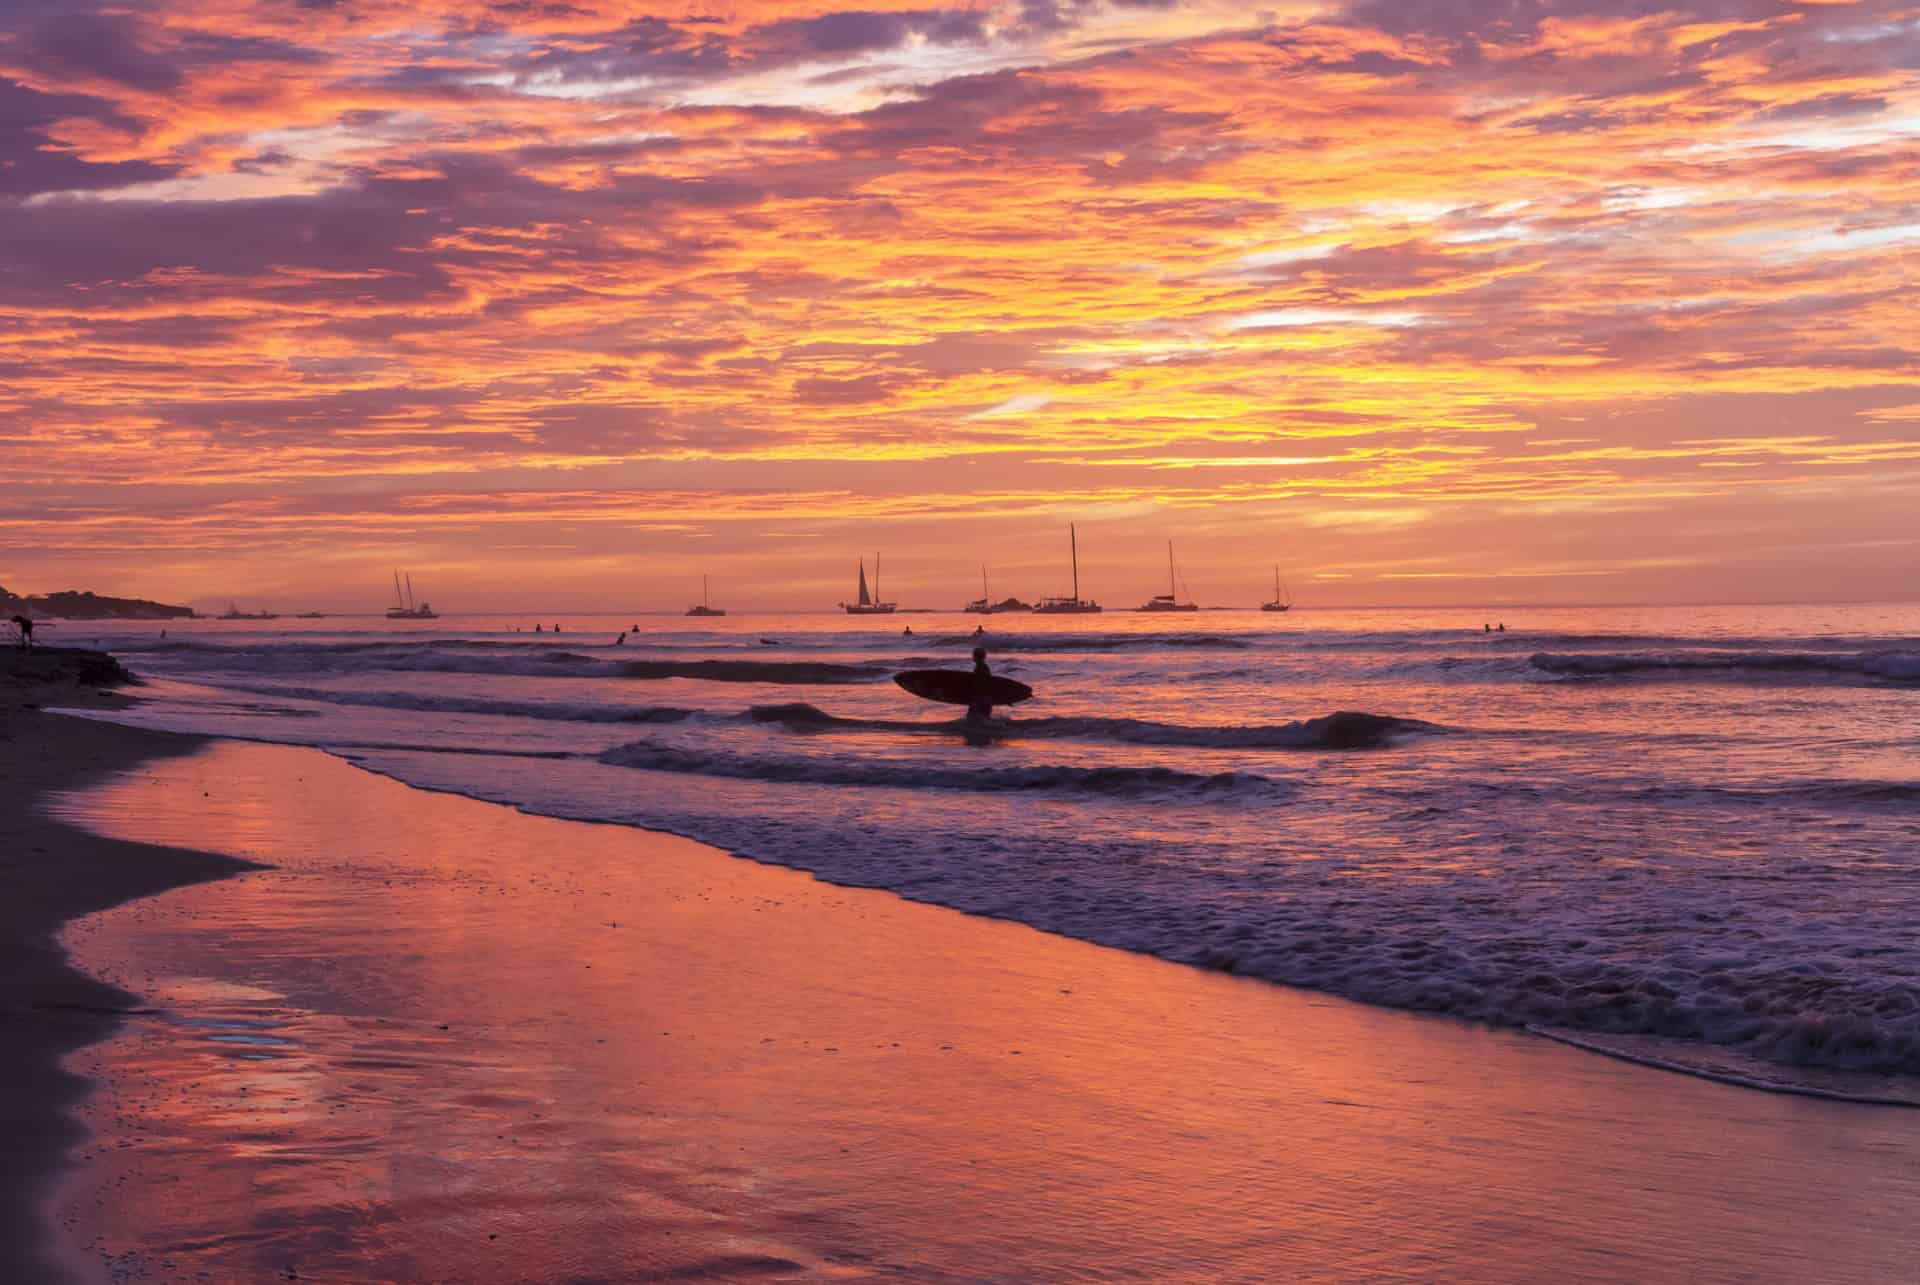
{"x": 404, "y": 607}
{"x": 311, "y": 615}
{"x": 869, "y": 603}
{"x": 1076, "y": 605}
{"x": 705, "y": 608}
{"x": 1282, "y": 600}
{"x": 984, "y": 605}
{"x": 233, "y": 612}
{"x": 1168, "y": 601}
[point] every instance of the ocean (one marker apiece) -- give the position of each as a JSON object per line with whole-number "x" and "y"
{"x": 1684, "y": 834}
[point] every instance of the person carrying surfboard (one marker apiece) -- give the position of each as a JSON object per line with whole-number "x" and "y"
{"x": 979, "y": 689}
{"x": 980, "y": 708}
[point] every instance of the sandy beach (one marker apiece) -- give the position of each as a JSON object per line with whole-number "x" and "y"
{"x": 53, "y": 874}
{"x": 441, "y": 1040}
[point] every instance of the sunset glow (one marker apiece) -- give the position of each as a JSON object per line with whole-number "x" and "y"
{"x": 561, "y": 305}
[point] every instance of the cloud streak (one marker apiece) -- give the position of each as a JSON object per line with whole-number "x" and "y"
{"x": 855, "y": 267}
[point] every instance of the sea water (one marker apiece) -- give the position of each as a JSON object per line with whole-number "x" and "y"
{"x": 1699, "y": 826}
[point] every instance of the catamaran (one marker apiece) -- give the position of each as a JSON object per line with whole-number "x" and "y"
{"x": 1168, "y": 601}
{"x": 1076, "y": 605}
{"x": 705, "y": 608}
{"x": 869, "y": 604}
{"x": 404, "y": 607}
{"x": 1282, "y": 600}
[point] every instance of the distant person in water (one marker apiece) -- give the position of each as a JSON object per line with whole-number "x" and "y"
{"x": 621, "y": 641}
{"x": 907, "y": 632}
{"x": 979, "y": 631}
{"x": 539, "y": 629}
{"x": 1488, "y": 628}
{"x": 25, "y": 627}
{"x": 980, "y": 709}
{"x": 1502, "y": 629}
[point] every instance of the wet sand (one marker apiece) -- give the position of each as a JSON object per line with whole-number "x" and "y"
{"x": 443, "y": 1041}
{"x": 51, "y": 874}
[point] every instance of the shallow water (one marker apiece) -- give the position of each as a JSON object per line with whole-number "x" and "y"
{"x": 440, "y": 1041}
{"x": 1700, "y": 824}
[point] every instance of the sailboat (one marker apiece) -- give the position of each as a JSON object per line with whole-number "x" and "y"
{"x": 984, "y": 605}
{"x": 705, "y": 608}
{"x": 1075, "y": 605}
{"x": 1168, "y": 601}
{"x": 1282, "y": 600}
{"x": 869, "y": 604}
{"x": 404, "y": 607}
{"x": 234, "y": 613}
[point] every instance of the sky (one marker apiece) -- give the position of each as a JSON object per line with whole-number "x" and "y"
{"x": 561, "y": 305}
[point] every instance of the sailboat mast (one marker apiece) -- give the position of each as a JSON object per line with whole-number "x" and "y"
{"x": 409, "y": 591}
{"x": 876, "y": 579}
{"x": 1073, "y": 547}
{"x": 1172, "y": 591}
{"x": 398, "y": 601}
{"x": 703, "y": 591}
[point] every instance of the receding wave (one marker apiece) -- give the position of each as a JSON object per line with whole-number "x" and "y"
{"x": 1344, "y": 730}
{"x": 1897, "y": 666}
{"x": 1113, "y": 782}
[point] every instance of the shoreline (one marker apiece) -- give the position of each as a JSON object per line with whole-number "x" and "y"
{"x": 826, "y": 1079}
{"x": 57, "y": 874}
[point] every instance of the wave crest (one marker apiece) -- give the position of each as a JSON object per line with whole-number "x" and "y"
{"x": 1112, "y": 782}
{"x": 1896, "y": 666}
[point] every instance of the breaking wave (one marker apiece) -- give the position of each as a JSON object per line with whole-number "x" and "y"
{"x": 1111, "y": 782}
{"x": 1898, "y": 666}
{"x": 1344, "y": 730}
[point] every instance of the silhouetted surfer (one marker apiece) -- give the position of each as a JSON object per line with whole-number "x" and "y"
{"x": 981, "y": 708}
{"x": 25, "y": 627}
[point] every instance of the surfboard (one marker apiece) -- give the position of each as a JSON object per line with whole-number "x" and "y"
{"x": 956, "y": 686}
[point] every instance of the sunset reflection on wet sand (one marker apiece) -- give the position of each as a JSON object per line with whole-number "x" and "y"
{"x": 442, "y": 1040}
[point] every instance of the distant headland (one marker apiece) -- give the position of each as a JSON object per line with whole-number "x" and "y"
{"x": 83, "y": 604}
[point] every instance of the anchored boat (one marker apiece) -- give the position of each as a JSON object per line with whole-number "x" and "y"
{"x": 869, "y": 603}
{"x": 404, "y": 607}
{"x": 1169, "y": 601}
{"x": 705, "y": 608}
{"x": 1076, "y": 605}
